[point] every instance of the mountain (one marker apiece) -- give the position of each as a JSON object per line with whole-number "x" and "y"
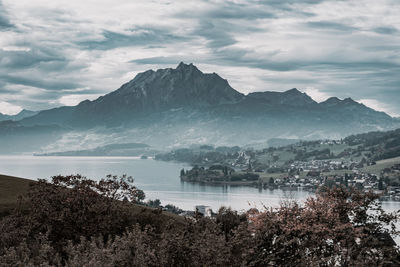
{"x": 149, "y": 92}
{"x": 17, "y": 138}
{"x": 350, "y": 111}
{"x": 129, "y": 149}
{"x": 185, "y": 86}
{"x": 21, "y": 115}
{"x": 174, "y": 107}
{"x": 292, "y": 97}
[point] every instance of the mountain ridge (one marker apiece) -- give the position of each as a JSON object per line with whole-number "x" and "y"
{"x": 19, "y": 116}
{"x": 185, "y": 86}
{"x": 176, "y": 106}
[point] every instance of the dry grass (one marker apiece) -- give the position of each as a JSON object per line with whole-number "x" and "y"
{"x": 10, "y": 189}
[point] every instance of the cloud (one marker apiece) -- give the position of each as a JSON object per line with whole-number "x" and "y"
{"x": 216, "y": 35}
{"x": 234, "y": 11}
{"x": 158, "y": 60}
{"x": 72, "y": 100}
{"x": 9, "y": 109}
{"x": 386, "y": 30}
{"x": 19, "y": 58}
{"x": 316, "y": 94}
{"x": 4, "y": 20}
{"x": 140, "y": 36}
{"x": 44, "y": 83}
{"x": 330, "y": 25}
{"x": 379, "y": 106}
{"x": 51, "y": 51}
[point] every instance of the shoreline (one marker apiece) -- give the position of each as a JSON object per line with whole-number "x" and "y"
{"x": 259, "y": 185}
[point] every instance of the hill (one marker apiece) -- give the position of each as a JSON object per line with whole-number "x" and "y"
{"x": 355, "y": 150}
{"x": 17, "y": 138}
{"x": 383, "y": 145}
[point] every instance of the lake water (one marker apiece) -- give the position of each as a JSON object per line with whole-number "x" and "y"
{"x": 157, "y": 179}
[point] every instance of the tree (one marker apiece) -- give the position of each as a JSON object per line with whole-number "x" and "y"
{"x": 229, "y": 220}
{"x": 154, "y": 203}
{"x": 271, "y": 181}
{"x": 225, "y": 170}
{"x": 337, "y": 227}
{"x": 380, "y": 184}
{"x": 73, "y": 206}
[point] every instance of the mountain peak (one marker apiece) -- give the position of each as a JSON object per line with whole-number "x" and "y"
{"x": 22, "y": 114}
{"x": 26, "y": 111}
{"x": 301, "y": 98}
{"x": 163, "y": 89}
{"x": 349, "y": 100}
{"x": 293, "y": 91}
{"x": 292, "y": 97}
{"x": 332, "y": 101}
{"x": 183, "y": 66}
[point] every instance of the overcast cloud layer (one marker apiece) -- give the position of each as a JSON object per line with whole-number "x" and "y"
{"x": 56, "y": 53}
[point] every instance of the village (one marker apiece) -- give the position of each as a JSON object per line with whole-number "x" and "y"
{"x": 366, "y": 162}
{"x": 307, "y": 175}
{"x": 315, "y": 173}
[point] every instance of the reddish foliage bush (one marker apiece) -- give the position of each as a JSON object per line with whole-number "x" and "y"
{"x": 338, "y": 226}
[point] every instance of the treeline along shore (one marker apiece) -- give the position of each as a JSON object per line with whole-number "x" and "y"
{"x": 218, "y": 175}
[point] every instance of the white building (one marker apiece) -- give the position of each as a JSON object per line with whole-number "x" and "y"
{"x": 205, "y": 210}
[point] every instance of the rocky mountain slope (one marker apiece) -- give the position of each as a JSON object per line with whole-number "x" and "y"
{"x": 171, "y": 107}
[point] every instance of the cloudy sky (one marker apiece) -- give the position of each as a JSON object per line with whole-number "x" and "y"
{"x": 55, "y": 53}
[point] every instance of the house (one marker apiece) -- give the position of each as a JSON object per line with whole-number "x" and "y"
{"x": 206, "y": 211}
{"x": 313, "y": 173}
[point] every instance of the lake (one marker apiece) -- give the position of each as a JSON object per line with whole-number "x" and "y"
{"x": 157, "y": 179}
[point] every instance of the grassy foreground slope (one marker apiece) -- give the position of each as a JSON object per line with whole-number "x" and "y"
{"x": 10, "y": 189}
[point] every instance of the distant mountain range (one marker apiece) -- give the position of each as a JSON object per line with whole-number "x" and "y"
{"x": 21, "y": 115}
{"x": 174, "y": 107}
{"x": 129, "y": 149}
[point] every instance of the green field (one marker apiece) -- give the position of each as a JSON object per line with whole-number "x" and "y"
{"x": 381, "y": 164}
{"x": 282, "y": 157}
{"x": 284, "y": 154}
